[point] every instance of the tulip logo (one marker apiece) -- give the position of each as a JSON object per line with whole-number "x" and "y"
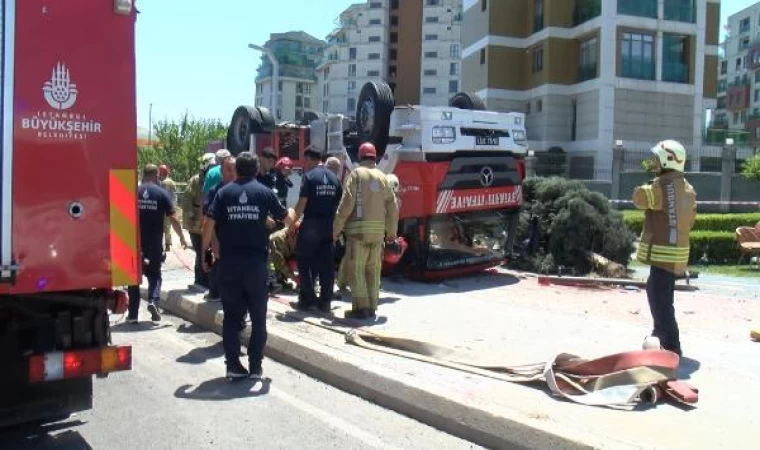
{"x": 59, "y": 91}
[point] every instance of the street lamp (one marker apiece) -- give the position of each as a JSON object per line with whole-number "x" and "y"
{"x": 275, "y": 72}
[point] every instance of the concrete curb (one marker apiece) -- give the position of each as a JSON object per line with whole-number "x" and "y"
{"x": 377, "y": 384}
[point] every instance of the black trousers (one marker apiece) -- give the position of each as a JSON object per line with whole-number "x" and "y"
{"x": 316, "y": 259}
{"x": 243, "y": 285}
{"x": 201, "y": 277}
{"x": 661, "y": 287}
{"x": 151, "y": 269}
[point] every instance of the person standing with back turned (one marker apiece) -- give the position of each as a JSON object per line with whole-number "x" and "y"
{"x": 670, "y": 205}
{"x": 238, "y": 214}
{"x": 368, "y": 213}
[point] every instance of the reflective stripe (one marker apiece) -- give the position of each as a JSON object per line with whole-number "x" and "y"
{"x": 54, "y": 366}
{"x": 650, "y": 196}
{"x": 660, "y": 253}
{"x": 366, "y": 226}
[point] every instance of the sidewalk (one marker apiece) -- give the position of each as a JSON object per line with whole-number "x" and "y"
{"x": 516, "y": 321}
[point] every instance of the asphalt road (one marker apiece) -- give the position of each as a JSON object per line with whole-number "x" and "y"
{"x": 176, "y": 398}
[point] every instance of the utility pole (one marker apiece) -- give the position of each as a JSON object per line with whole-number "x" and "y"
{"x": 150, "y": 124}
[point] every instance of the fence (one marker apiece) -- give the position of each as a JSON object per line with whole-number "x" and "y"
{"x": 714, "y": 172}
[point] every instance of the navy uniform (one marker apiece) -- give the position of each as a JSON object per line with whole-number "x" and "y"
{"x": 321, "y": 189}
{"x": 154, "y": 204}
{"x": 239, "y": 211}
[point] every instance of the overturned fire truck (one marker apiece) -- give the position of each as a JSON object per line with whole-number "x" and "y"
{"x": 460, "y": 169}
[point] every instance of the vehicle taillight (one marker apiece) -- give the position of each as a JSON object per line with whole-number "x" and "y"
{"x": 79, "y": 363}
{"x": 521, "y": 168}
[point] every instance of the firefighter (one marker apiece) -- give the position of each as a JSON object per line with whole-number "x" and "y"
{"x": 228, "y": 175}
{"x": 192, "y": 218}
{"x": 282, "y": 248}
{"x": 154, "y": 205}
{"x": 267, "y": 175}
{"x": 669, "y": 204}
{"x": 237, "y": 216}
{"x": 333, "y": 164}
{"x": 369, "y": 215}
{"x": 168, "y": 184}
{"x": 318, "y": 202}
{"x": 282, "y": 183}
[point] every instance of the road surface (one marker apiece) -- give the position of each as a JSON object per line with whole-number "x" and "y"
{"x": 175, "y": 398}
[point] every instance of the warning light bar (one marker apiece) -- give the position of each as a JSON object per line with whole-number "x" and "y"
{"x": 79, "y": 363}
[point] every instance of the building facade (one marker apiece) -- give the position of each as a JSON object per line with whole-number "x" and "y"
{"x": 738, "y": 113}
{"x": 414, "y": 45}
{"x": 297, "y": 54}
{"x": 591, "y": 72}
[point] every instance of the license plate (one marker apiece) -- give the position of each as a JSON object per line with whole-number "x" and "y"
{"x": 482, "y": 140}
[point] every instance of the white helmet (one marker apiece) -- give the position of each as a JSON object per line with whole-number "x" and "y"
{"x": 671, "y": 154}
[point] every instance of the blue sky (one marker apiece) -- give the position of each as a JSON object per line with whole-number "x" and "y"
{"x": 193, "y": 55}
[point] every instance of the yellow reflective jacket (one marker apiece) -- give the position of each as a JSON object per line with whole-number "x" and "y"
{"x": 367, "y": 210}
{"x": 282, "y": 246}
{"x": 670, "y": 207}
{"x": 192, "y": 200}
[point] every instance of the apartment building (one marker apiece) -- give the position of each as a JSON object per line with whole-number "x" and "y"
{"x": 414, "y": 45}
{"x": 738, "y": 110}
{"x": 590, "y": 72}
{"x": 297, "y": 54}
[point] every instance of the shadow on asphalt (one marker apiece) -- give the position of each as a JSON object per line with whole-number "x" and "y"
{"x": 41, "y": 437}
{"x": 222, "y": 389}
{"x": 200, "y": 355}
{"x": 481, "y": 281}
{"x": 190, "y": 328}
{"x": 125, "y": 327}
{"x": 298, "y": 316}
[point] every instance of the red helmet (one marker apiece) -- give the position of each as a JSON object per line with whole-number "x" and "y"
{"x": 394, "y": 251}
{"x": 284, "y": 163}
{"x": 367, "y": 151}
{"x": 163, "y": 170}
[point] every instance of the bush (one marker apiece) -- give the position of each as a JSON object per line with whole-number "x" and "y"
{"x": 713, "y": 247}
{"x": 751, "y": 168}
{"x": 572, "y": 222}
{"x": 728, "y": 223}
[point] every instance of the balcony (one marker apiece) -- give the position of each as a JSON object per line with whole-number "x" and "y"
{"x": 738, "y": 96}
{"x": 587, "y": 72}
{"x": 717, "y": 136}
{"x": 680, "y": 10}
{"x": 639, "y": 8}
{"x": 586, "y": 10}
{"x": 675, "y": 72}
{"x": 753, "y": 121}
{"x": 754, "y": 55}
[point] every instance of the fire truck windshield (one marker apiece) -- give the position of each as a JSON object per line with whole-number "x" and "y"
{"x": 466, "y": 239}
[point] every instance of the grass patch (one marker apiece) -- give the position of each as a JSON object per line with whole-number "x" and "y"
{"x": 728, "y": 270}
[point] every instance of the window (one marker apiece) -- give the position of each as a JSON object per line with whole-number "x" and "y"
{"x": 738, "y": 63}
{"x": 757, "y": 95}
{"x": 299, "y": 101}
{"x": 351, "y": 104}
{"x": 306, "y": 102}
{"x": 352, "y": 53}
{"x": 454, "y": 51}
{"x": 431, "y": 72}
{"x": 744, "y": 116}
{"x": 680, "y": 10}
{"x": 394, "y": 4}
{"x": 723, "y": 67}
{"x": 744, "y": 25}
{"x": 373, "y": 56}
{"x": 351, "y": 86}
{"x": 279, "y": 86}
{"x": 527, "y": 108}
{"x": 641, "y": 8}
{"x": 431, "y": 19}
{"x": 394, "y": 21}
{"x": 352, "y": 70}
{"x": 483, "y": 5}
{"x": 373, "y": 73}
{"x": 393, "y": 54}
{"x": 374, "y": 39}
{"x": 482, "y": 56}
{"x": 757, "y": 76}
{"x": 431, "y": 54}
{"x": 722, "y": 85}
{"x": 538, "y": 59}
{"x": 429, "y": 90}
{"x": 675, "y": 58}
{"x": 392, "y": 71}
{"x": 539, "y": 106}
{"x": 743, "y": 43}
{"x": 326, "y": 89}
{"x": 375, "y": 5}
{"x": 587, "y": 59}
{"x": 453, "y": 86}
{"x": 433, "y": 2}
{"x": 299, "y": 114}
{"x": 454, "y": 69}
{"x": 637, "y": 51}
{"x": 431, "y": 37}
{"x": 325, "y": 105}
{"x": 394, "y": 37}
{"x": 375, "y": 21}
{"x": 736, "y": 117}
{"x": 538, "y": 15}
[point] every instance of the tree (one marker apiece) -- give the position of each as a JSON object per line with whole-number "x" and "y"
{"x": 181, "y": 144}
{"x": 751, "y": 168}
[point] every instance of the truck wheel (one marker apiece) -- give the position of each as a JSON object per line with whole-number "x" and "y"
{"x": 373, "y": 114}
{"x": 245, "y": 120}
{"x": 267, "y": 120}
{"x": 310, "y": 116}
{"x": 467, "y": 100}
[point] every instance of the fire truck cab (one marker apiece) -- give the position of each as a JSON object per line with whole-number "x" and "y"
{"x": 460, "y": 170}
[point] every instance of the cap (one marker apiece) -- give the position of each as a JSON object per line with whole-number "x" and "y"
{"x": 207, "y": 159}
{"x": 367, "y": 151}
{"x": 284, "y": 163}
{"x": 221, "y": 154}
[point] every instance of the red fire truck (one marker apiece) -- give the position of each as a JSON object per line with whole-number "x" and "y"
{"x": 460, "y": 169}
{"x": 67, "y": 194}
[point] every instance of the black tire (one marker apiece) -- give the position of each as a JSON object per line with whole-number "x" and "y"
{"x": 310, "y": 116}
{"x": 373, "y": 115}
{"x": 467, "y": 100}
{"x": 268, "y": 123}
{"x": 245, "y": 120}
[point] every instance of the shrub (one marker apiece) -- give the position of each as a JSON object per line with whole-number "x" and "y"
{"x": 728, "y": 223}
{"x": 572, "y": 221}
{"x": 751, "y": 168}
{"x": 713, "y": 247}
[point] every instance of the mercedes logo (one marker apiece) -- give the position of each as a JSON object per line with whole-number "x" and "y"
{"x": 486, "y": 176}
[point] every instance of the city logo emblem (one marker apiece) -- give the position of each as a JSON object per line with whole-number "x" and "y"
{"x": 243, "y": 198}
{"x": 486, "y": 176}
{"x": 59, "y": 91}
{"x": 146, "y": 195}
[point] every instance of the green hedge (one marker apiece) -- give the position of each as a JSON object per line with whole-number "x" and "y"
{"x": 713, "y": 247}
{"x": 727, "y": 223}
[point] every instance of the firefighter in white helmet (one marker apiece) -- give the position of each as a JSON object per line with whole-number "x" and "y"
{"x": 669, "y": 204}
